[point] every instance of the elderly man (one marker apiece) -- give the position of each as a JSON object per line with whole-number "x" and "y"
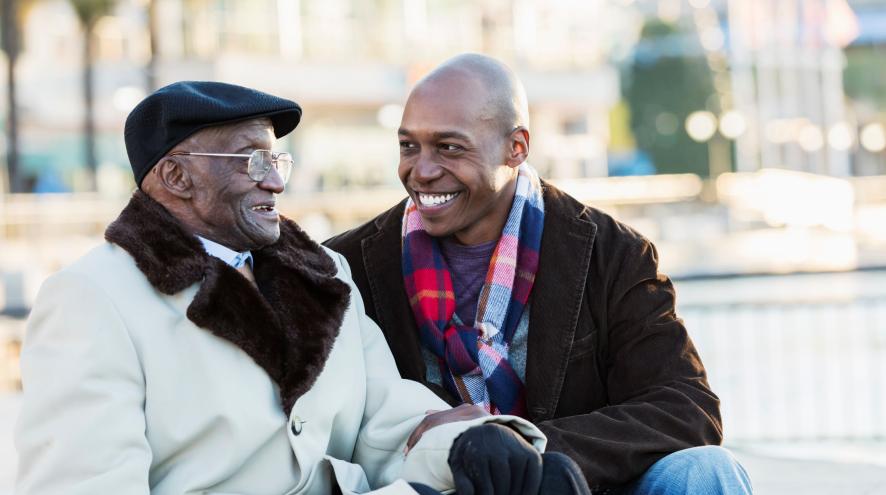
{"x": 496, "y": 288}
{"x": 211, "y": 347}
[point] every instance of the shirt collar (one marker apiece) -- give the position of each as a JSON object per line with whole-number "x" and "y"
{"x": 226, "y": 254}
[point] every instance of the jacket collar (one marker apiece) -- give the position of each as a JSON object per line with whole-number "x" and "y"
{"x": 287, "y": 324}
{"x": 555, "y": 302}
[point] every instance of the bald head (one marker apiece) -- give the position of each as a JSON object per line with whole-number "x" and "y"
{"x": 501, "y": 94}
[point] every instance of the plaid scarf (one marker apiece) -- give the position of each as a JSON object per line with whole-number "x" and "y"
{"x": 474, "y": 359}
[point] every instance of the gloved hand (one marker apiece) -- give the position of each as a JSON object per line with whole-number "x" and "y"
{"x": 493, "y": 459}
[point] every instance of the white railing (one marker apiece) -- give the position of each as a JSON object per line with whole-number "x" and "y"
{"x": 808, "y": 370}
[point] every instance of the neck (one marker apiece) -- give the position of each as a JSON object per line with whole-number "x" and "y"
{"x": 489, "y": 227}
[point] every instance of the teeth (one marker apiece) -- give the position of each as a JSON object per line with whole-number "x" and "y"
{"x": 435, "y": 199}
{"x": 263, "y": 208}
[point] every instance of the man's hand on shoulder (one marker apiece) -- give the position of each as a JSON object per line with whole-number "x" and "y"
{"x": 494, "y": 459}
{"x": 463, "y": 412}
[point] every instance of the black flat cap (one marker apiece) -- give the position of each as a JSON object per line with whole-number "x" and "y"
{"x": 172, "y": 113}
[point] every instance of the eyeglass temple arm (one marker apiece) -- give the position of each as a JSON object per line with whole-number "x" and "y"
{"x": 227, "y": 155}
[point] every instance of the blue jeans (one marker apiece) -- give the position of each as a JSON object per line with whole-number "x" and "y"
{"x": 699, "y": 470}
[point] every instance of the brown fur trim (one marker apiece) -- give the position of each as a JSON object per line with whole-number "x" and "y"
{"x": 288, "y": 326}
{"x": 170, "y": 257}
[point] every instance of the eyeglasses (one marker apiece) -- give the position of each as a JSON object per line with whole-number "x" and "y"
{"x": 259, "y": 162}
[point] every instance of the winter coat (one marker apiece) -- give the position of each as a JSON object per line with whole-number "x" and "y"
{"x": 149, "y": 366}
{"x": 612, "y": 377}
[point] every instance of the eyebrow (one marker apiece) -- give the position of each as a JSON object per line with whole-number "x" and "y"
{"x": 439, "y": 134}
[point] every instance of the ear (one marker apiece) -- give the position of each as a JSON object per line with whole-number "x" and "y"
{"x": 518, "y": 147}
{"x": 173, "y": 176}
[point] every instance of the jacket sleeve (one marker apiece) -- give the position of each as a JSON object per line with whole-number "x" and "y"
{"x": 82, "y": 428}
{"x": 395, "y": 406}
{"x": 659, "y": 401}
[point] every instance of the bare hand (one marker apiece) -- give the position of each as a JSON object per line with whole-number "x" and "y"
{"x": 463, "y": 412}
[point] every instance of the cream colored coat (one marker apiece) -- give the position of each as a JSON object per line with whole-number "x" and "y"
{"x": 123, "y": 394}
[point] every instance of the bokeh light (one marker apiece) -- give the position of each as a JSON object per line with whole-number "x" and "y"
{"x": 733, "y": 124}
{"x": 810, "y": 138}
{"x": 701, "y": 125}
{"x": 840, "y": 136}
{"x": 389, "y": 116}
{"x": 873, "y": 137}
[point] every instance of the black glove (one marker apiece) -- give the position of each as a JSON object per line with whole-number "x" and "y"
{"x": 493, "y": 459}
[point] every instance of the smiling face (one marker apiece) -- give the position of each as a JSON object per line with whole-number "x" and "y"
{"x": 456, "y": 159}
{"x": 227, "y": 206}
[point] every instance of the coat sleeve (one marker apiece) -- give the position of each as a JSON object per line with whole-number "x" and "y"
{"x": 659, "y": 399}
{"x": 395, "y": 406}
{"x": 82, "y": 427}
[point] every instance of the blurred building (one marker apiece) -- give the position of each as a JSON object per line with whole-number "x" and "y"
{"x": 791, "y": 78}
{"x": 349, "y": 63}
{"x": 787, "y": 75}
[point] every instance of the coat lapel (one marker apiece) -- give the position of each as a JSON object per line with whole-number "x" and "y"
{"x": 287, "y": 324}
{"x": 557, "y": 295}
{"x": 382, "y": 257}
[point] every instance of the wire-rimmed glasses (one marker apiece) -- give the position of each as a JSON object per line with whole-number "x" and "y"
{"x": 259, "y": 162}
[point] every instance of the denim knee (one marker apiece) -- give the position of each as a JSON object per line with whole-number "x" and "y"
{"x": 709, "y": 457}
{"x": 708, "y": 469}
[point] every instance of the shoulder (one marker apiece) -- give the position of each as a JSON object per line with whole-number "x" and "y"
{"x": 349, "y": 242}
{"x": 101, "y": 256}
{"x": 87, "y": 298}
{"x": 106, "y": 278}
{"x": 98, "y": 267}
{"x": 611, "y": 236}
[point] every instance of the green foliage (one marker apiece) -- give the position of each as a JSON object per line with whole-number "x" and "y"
{"x": 667, "y": 80}
{"x": 89, "y": 11}
{"x": 864, "y": 75}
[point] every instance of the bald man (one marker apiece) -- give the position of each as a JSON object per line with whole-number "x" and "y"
{"x": 495, "y": 288}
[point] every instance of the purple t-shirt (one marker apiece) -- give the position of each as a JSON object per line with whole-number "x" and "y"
{"x": 468, "y": 266}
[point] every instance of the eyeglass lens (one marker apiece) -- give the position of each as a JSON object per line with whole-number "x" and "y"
{"x": 261, "y": 161}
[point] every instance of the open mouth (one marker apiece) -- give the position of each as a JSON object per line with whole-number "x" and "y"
{"x": 433, "y": 200}
{"x": 267, "y": 209}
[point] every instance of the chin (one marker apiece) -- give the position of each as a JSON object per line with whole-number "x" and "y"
{"x": 264, "y": 239}
{"x": 271, "y": 239}
{"x": 438, "y": 231}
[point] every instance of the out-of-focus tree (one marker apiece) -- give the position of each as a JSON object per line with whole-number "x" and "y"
{"x": 864, "y": 74}
{"x": 151, "y": 71}
{"x": 89, "y": 12}
{"x": 12, "y": 15}
{"x": 667, "y": 80}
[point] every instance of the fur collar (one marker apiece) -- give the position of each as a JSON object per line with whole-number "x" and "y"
{"x": 288, "y": 325}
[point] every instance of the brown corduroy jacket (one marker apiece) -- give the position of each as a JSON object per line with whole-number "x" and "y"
{"x": 612, "y": 378}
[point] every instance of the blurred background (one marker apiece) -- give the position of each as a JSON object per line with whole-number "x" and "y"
{"x": 745, "y": 137}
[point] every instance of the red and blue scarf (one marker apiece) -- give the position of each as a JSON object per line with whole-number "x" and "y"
{"x": 474, "y": 359}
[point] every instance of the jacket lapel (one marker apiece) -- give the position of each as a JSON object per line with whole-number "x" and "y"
{"x": 382, "y": 257}
{"x": 287, "y": 324}
{"x": 557, "y": 295}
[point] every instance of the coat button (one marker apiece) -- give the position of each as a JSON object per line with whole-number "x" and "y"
{"x": 296, "y": 425}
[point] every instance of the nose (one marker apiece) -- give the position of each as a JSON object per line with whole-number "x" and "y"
{"x": 272, "y": 182}
{"x": 426, "y": 169}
